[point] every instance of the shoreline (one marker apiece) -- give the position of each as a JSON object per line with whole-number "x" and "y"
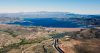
{"x": 65, "y": 29}
{"x": 59, "y": 29}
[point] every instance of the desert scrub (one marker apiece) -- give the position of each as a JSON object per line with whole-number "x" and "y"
{"x": 24, "y": 41}
{"x": 16, "y": 32}
{"x": 58, "y": 35}
{"x": 5, "y": 49}
{"x": 12, "y": 33}
{"x": 39, "y": 39}
{"x": 36, "y": 40}
{"x": 38, "y": 49}
{"x": 49, "y": 48}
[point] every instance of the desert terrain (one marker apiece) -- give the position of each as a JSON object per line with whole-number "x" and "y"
{"x": 20, "y": 39}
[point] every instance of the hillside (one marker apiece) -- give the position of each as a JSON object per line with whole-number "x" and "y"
{"x": 19, "y": 39}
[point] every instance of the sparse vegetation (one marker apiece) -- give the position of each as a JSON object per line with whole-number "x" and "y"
{"x": 42, "y": 40}
{"x": 88, "y": 46}
{"x": 14, "y": 34}
{"x": 57, "y": 35}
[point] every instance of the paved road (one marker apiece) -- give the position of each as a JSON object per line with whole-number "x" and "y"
{"x": 57, "y": 46}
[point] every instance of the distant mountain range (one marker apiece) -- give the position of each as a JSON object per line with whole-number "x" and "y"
{"x": 48, "y": 15}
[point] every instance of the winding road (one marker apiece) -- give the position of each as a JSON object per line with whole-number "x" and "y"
{"x": 56, "y": 46}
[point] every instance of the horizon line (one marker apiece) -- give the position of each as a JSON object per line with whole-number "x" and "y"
{"x": 50, "y": 11}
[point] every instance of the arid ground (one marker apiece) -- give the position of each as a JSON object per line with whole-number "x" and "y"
{"x": 20, "y": 39}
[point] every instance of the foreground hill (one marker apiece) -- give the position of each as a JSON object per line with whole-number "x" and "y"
{"x": 20, "y": 39}
{"x": 85, "y": 41}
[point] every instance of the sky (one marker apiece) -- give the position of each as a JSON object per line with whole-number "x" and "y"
{"x": 73, "y": 6}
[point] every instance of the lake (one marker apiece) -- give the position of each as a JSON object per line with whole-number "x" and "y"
{"x": 48, "y": 22}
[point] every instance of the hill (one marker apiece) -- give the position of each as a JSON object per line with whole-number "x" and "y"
{"x": 18, "y": 39}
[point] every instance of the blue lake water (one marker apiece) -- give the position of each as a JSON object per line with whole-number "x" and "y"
{"x": 48, "y": 22}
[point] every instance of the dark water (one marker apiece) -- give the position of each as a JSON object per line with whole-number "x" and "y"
{"x": 48, "y": 22}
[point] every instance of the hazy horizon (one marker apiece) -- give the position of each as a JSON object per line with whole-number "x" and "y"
{"x": 72, "y": 6}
